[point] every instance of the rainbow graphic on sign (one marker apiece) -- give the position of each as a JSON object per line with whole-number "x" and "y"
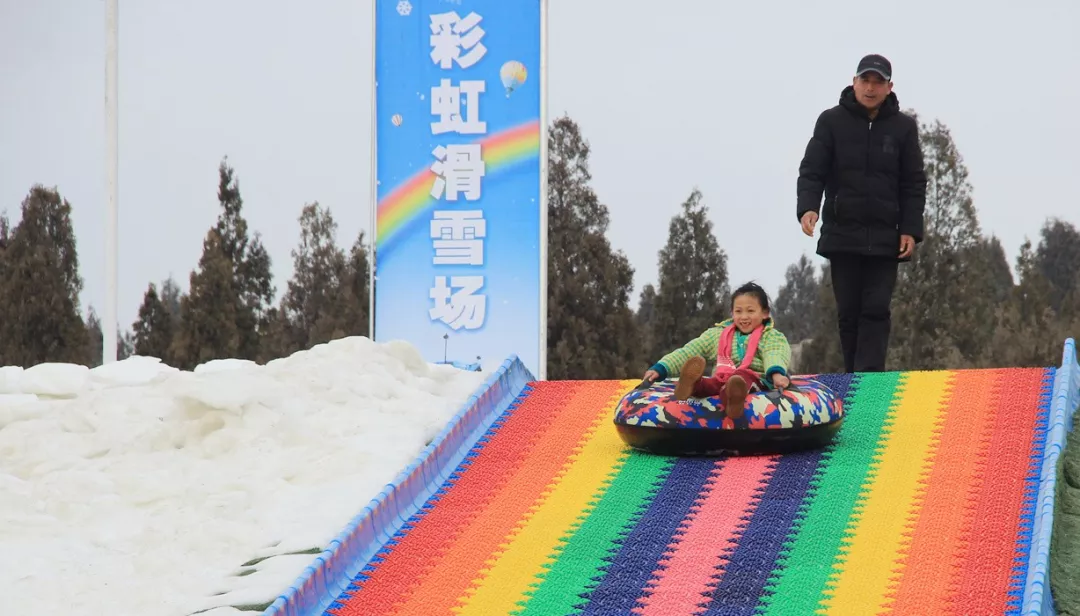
{"x": 458, "y": 100}
{"x": 411, "y": 200}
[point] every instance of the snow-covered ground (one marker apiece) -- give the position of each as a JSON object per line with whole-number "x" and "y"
{"x": 135, "y": 488}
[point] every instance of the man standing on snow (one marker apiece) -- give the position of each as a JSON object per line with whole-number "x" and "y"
{"x": 865, "y": 157}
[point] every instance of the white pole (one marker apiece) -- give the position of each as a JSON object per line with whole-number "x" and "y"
{"x": 374, "y": 187}
{"x": 108, "y": 328}
{"x": 542, "y": 368}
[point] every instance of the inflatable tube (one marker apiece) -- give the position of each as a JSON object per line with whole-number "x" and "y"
{"x": 806, "y": 415}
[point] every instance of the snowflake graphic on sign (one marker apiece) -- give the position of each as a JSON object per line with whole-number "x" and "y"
{"x": 461, "y": 308}
{"x": 404, "y": 8}
{"x": 451, "y": 35}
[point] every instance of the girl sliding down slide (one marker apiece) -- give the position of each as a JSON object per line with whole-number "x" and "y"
{"x": 745, "y": 347}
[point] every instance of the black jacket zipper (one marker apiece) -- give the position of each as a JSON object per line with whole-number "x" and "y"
{"x": 866, "y": 176}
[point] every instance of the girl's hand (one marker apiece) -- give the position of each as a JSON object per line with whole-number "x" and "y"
{"x": 780, "y": 381}
{"x": 651, "y": 376}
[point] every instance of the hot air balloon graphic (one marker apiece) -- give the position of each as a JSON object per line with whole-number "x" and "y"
{"x": 396, "y": 119}
{"x": 513, "y": 74}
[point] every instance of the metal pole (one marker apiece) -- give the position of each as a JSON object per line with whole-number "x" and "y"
{"x": 374, "y": 198}
{"x": 542, "y": 368}
{"x": 108, "y": 328}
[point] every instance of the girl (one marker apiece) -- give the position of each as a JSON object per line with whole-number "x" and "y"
{"x": 744, "y": 347}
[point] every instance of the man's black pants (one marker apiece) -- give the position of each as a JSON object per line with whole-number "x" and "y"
{"x": 863, "y": 287}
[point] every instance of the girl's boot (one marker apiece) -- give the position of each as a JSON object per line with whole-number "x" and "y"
{"x": 689, "y": 376}
{"x": 735, "y": 396}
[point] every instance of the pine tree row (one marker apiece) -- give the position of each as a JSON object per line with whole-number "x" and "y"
{"x": 957, "y": 304}
{"x": 227, "y": 312}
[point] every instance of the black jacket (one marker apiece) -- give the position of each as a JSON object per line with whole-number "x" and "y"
{"x": 872, "y": 175}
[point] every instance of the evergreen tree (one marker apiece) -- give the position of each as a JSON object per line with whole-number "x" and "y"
{"x": 1028, "y": 331}
{"x": 250, "y": 286}
{"x": 797, "y": 300}
{"x": 170, "y": 296}
{"x": 5, "y": 233}
{"x": 250, "y": 264}
{"x": 350, "y": 314}
{"x": 309, "y": 304}
{"x": 345, "y": 306}
{"x": 591, "y": 329}
{"x": 5, "y": 238}
{"x": 994, "y": 269}
{"x": 1044, "y": 308}
{"x": 125, "y": 346}
{"x": 95, "y": 341}
{"x": 155, "y": 328}
{"x": 821, "y": 353}
{"x": 693, "y": 294}
{"x": 938, "y": 307}
{"x": 39, "y": 285}
{"x": 646, "y": 316}
{"x": 1058, "y": 259}
{"x": 988, "y": 279}
{"x": 256, "y": 295}
{"x": 208, "y": 325}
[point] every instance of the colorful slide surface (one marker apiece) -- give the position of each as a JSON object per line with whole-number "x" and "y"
{"x": 925, "y": 504}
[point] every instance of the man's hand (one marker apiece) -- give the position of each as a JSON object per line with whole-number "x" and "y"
{"x": 780, "y": 381}
{"x": 907, "y": 245}
{"x": 809, "y": 221}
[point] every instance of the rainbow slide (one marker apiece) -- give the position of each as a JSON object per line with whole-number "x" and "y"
{"x": 935, "y": 498}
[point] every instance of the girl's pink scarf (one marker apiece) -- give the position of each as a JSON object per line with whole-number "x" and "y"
{"x": 725, "y": 365}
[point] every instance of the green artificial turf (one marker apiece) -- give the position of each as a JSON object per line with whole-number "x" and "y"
{"x": 1065, "y": 544}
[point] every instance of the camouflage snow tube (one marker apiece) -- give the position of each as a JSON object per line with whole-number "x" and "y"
{"x": 806, "y": 415}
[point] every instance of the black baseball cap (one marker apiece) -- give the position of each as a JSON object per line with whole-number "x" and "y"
{"x": 876, "y": 63}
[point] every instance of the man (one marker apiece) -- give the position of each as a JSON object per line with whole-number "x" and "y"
{"x": 865, "y": 157}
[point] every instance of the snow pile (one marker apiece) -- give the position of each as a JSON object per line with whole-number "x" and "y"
{"x": 136, "y": 488}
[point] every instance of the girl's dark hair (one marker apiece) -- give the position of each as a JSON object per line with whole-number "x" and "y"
{"x": 755, "y": 290}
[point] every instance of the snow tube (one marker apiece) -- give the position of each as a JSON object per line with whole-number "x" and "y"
{"x": 806, "y": 415}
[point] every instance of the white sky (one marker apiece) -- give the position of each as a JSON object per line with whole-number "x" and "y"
{"x": 718, "y": 95}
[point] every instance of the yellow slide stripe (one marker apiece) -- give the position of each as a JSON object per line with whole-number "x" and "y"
{"x": 881, "y": 525}
{"x": 537, "y": 539}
